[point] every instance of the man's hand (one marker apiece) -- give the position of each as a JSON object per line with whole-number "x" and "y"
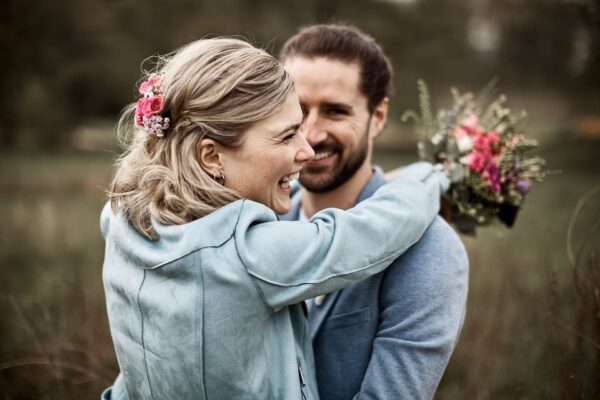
{"x": 445, "y": 209}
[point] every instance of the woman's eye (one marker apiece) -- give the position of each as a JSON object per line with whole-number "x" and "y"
{"x": 289, "y": 137}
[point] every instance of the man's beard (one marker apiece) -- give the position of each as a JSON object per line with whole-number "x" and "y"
{"x": 320, "y": 180}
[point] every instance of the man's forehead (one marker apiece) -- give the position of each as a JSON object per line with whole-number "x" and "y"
{"x": 299, "y": 63}
{"x": 332, "y": 80}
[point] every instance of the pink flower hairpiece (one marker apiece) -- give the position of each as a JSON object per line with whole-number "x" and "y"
{"x": 149, "y": 107}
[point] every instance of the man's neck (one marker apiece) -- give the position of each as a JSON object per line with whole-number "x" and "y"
{"x": 342, "y": 197}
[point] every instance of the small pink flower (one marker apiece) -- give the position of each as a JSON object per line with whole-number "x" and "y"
{"x": 148, "y": 85}
{"x": 139, "y": 116}
{"x": 476, "y": 161}
{"x": 480, "y": 142}
{"x": 154, "y": 80}
{"x": 471, "y": 121}
{"x": 151, "y": 106}
{"x": 144, "y": 87}
{"x": 493, "y": 139}
{"x": 487, "y": 143}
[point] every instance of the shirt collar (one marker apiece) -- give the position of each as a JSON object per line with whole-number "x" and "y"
{"x": 377, "y": 180}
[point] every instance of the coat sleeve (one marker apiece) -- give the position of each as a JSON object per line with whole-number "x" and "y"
{"x": 293, "y": 261}
{"x": 422, "y": 308}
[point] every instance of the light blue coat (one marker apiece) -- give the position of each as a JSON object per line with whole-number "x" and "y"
{"x": 211, "y": 310}
{"x": 391, "y": 335}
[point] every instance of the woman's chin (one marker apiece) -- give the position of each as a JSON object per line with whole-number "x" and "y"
{"x": 282, "y": 207}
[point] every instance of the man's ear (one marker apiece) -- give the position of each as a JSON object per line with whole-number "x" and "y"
{"x": 379, "y": 117}
{"x": 208, "y": 156}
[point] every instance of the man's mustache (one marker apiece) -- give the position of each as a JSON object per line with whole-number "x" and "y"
{"x": 330, "y": 146}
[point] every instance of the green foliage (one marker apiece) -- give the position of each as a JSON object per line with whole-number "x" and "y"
{"x": 85, "y": 67}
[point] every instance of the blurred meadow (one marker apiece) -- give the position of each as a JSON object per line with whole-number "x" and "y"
{"x": 533, "y": 325}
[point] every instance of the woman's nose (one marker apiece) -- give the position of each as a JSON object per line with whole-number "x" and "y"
{"x": 305, "y": 151}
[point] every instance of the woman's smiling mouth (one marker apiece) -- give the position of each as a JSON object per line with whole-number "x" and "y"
{"x": 284, "y": 183}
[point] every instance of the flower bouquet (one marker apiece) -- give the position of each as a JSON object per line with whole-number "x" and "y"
{"x": 483, "y": 153}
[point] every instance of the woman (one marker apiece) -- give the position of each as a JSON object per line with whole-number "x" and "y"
{"x": 204, "y": 285}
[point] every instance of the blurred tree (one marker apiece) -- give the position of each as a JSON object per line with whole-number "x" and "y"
{"x": 10, "y": 29}
{"x": 69, "y": 61}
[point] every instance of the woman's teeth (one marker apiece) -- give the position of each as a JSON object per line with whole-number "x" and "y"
{"x": 284, "y": 183}
{"x": 290, "y": 177}
{"x": 321, "y": 155}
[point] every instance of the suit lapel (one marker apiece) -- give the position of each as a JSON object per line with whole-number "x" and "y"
{"x": 317, "y": 314}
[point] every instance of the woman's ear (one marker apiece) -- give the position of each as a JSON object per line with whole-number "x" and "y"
{"x": 208, "y": 156}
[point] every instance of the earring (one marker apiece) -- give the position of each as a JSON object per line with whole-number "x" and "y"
{"x": 220, "y": 179}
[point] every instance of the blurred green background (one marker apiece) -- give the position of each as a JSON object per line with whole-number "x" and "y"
{"x": 68, "y": 67}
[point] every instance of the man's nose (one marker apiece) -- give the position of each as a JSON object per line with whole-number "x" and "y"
{"x": 312, "y": 129}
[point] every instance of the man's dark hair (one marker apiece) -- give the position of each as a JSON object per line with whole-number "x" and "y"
{"x": 348, "y": 44}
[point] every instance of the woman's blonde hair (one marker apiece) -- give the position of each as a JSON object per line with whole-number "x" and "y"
{"x": 212, "y": 88}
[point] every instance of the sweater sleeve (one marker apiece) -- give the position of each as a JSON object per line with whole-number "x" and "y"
{"x": 293, "y": 261}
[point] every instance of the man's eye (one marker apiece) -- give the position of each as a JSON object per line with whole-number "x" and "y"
{"x": 337, "y": 111}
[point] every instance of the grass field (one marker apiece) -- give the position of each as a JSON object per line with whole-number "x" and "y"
{"x": 528, "y": 333}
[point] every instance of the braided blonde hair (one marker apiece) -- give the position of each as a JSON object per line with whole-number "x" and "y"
{"x": 213, "y": 88}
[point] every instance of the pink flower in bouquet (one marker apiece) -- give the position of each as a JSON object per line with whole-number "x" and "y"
{"x": 480, "y": 143}
{"x": 487, "y": 143}
{"x": 490, "y": 169}
{"x": 493, "y": 138}
{"x": 484, "y": 159}
{"x": 477, "y": 161}
{"x": 470, "y": 123}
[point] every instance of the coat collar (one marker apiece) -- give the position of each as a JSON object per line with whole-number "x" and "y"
{"x": 317, "y": 313}
{"x": 377, "y": 180}
{"x": 175, "y": 241}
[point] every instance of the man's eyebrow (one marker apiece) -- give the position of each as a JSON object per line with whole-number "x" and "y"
{"x": 337, "y": 105}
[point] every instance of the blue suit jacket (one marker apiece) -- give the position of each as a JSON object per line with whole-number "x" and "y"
{"x": 391, "y": 335}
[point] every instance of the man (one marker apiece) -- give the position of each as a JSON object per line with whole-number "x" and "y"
{"x": 390, "y": 336}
